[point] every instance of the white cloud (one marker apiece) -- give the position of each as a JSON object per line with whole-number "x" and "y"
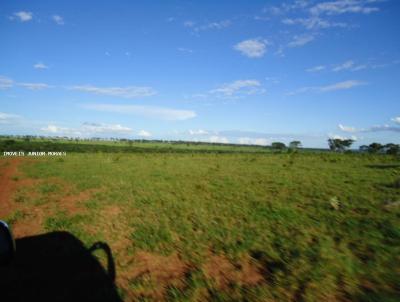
{"x": 344, "y": 6}
{"x": 316, "y": 68}
{"x": 88, "y": 129}
{"x": 313, "y": 22}
{"x": 185, "y": 50}
{"x": 377, "y": 128}
{"x": 218, "y": 139}
{"x": 198, "y": 132}
{"x": 347, "y": 128}
{"x": 396, "y": 119}
{"x": 189, "y": 23}
{"x": 53, "y": 129}
{"x": 23, "y": 16}
{"x": 342, "y": 85}
{"x": 337, "y": 86}
{"x": 252, "y": 48}
{"x": 5, "y": 82}
{"x": 34, "y": 86}
{"x": 213, "y": 25}
{"x": 344, "y": 66}
{"x": 94, "y": 128}
{"x": 359, "y": 67}
{"x": 239, "y": 87}
{"x": 252, "y": 141}
{"x": 58, "y": 19}
{"x": 300, "y": 40}
{"x": 336, "y": 136}
{"x": 40, "y": 65}
{"x": 144, "y": 133}
{"x": 7, "y": 118}
{"x": 146, "y": 111}
{"x": 124, "y": 92}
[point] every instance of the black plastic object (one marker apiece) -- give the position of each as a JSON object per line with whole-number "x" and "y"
{"x": 7, "y": 245}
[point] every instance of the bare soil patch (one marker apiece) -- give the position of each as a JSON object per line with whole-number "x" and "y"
{"x": 7, "y": 185}
{"x": 161, "y": 271}
{"x": 223, "y": 273}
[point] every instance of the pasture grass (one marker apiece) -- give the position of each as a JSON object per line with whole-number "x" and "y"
{"x": 314, "y": 226}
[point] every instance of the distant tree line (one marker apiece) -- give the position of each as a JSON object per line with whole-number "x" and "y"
{"x": 381, "y": 149}
{"x": 340, "y": 145}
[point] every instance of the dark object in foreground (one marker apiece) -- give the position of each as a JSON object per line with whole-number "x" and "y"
{"x": 7, "y": 244}
{"x": 57, "y": 267}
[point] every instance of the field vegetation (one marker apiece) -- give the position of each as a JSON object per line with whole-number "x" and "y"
{"x": 219, "y": 223}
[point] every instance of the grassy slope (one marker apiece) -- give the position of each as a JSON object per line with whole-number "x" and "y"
{"x": 274, "y": 208}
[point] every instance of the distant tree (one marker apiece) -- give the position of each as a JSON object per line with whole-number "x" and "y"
{"x": 375, "y": 148}
{"x": 295, "y": 144}
{"x": 278, "y": 146}
{"x": 339, "y": 145}
{"x": 364, "y": 148}
{"x": 392, "y": 149}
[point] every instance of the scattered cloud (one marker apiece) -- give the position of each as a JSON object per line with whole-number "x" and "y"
{"x": 7, "y": 118}
{"x": 218, "y": 139}
{"x": 34, "y": 86}
{"x": 252, "y": 48}
{"x": 88, "y": 129}
{"x": 316, "y": 68}
{"x": 58, "y": 19}
{"x": 300, "y": 40}
{"x": 359, "y": 67}
{"x": 377, "y": 128}
{"x": 337, "y": 86}
{"x": 396, "y": 120}
{"x": 319, "y": 15}
{"x": 189, "y": 23}
{"x": 124, "y": 92}
{"x": 252, "y": 141}
{"x": 53, "y": 129}
{"x": 40, "y": 65}
{"x": 5, "y": 82}
{"x": 349, "y": 65}
{"x": 185, "y": 50}
{"x": 104, "y": 128}
{"x": 344, "y": 66}
{"x": 213, "y": 25}
{"x": 216, "y": 25}
{"x": 238, "y": 88}
{"x": 341, "y": 137}
{"x": 144, "y": 133}
{"x": 145, "y": 111}
{"x": 347, "y": 128}
{"x": 313, "y": 22}
{"x": 198, "y": 132}
{"x": 273, "y": 80}
{"x": 344, "y": 6}
{"x": 22, "y": 16}
{"x": 342, "y": 85}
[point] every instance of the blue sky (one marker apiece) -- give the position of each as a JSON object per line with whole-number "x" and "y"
{"x": 248, "y": 72}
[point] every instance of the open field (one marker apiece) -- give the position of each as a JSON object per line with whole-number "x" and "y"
{"x": 225, "y": 227}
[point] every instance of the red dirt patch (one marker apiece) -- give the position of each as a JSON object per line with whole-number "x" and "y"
{"x": 72, "y": 203}
{"x": 7, "y": 185}
{"x": 161, "y": 271}
{"x": 223, "y": 273}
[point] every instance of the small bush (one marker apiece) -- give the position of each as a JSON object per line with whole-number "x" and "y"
{"x": 396, "y": 183}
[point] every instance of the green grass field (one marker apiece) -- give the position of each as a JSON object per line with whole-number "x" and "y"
{"x": 226, "y": 227}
